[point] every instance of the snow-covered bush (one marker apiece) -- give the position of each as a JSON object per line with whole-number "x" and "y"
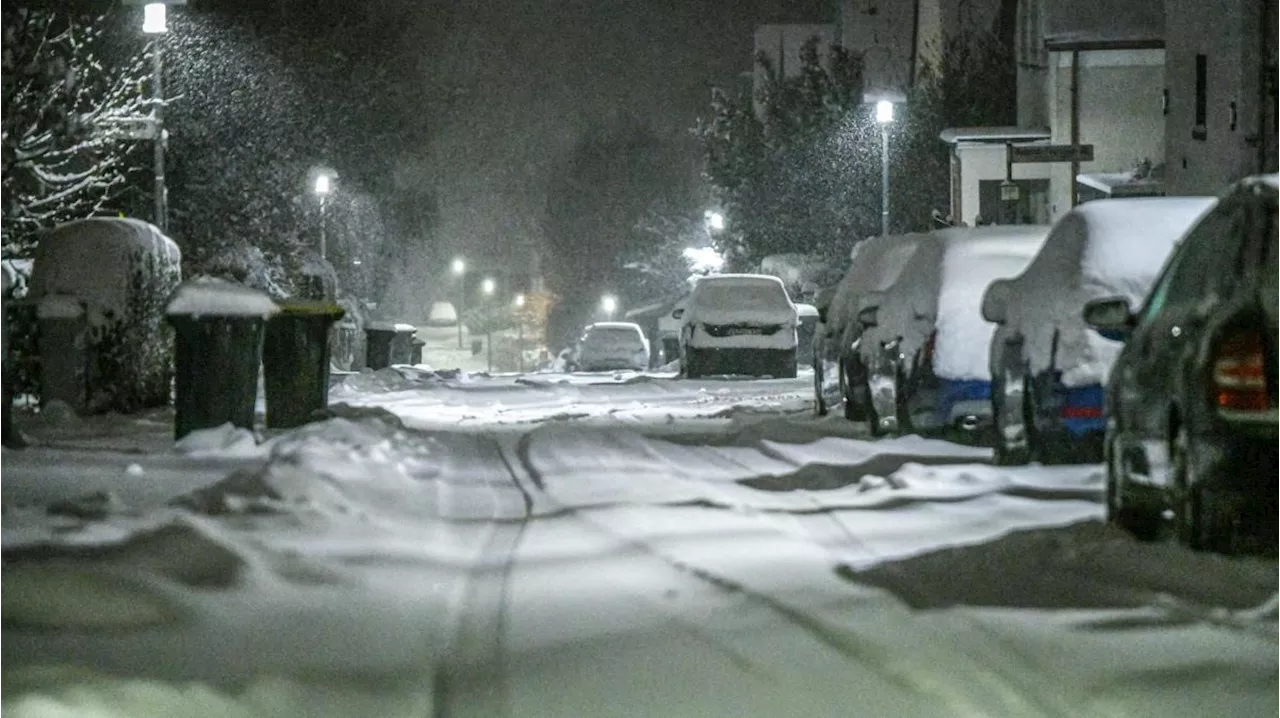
{"x": 121, "y": 271}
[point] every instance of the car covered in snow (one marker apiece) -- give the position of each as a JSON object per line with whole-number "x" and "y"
{"x": 1049, "y": 367}
{"x": 924, "y": 342}
{"x": 874, "y": 265}
{"x": 738, "y": 324}
{"x": 610, "y": 346}
{"x": 1191, "y": 415}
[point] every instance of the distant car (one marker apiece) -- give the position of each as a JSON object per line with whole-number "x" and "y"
{"x": 442, "y": 314}
{"x": 1191, "y": 416}
{"x": 738, "y": 324}
{"x": 823, "y": 356}
{"x": 874, "y": 265}
{"x": 925, "y": 342}
{"x": 1048, "y": 366}
{"x": 610, "y": 346}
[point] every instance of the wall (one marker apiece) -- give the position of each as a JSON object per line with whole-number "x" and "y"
{"x": 985, "y": 161}
{"x": 1232, "y": 50}
{"x": 782, "y": 44}
{"x": 1120, "y": 113}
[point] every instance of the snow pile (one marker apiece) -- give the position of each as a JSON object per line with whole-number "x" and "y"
{"x": 392, "y": 378}
{"x": 1099, "y": 249}
{"x": 208, "y": 296}
{"x": 974, "y": 259}
{"x": 733, "y": 298}
{"x": 336, "y": 468}
{"x": 227, "y": 440}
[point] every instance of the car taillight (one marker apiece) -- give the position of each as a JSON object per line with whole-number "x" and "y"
{"x": 1080, "y": 412}
{"x": 1239, "y": 378}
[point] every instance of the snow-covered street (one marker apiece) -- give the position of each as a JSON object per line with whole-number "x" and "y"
{"x": 597, "y": 545}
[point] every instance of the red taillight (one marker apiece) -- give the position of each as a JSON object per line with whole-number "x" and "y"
{"x": 1080, "y": 412}
{"x": 1239, "y": 378}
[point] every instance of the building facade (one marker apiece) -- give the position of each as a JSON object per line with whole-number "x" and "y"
{"x": 1220, "y": 92}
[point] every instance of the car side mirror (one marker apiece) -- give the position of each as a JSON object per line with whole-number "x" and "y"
{"x": 822, "y": 314}
{"x": 677, "y": 313}
{"x": 1110, "y": 317}
{"x": 995, "y": 301}
{"x": 869, "y": 316}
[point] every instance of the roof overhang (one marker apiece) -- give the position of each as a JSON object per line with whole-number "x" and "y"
{"x": 952, "y": 135}
{"x": 1121, "y": 184}
{"x": 1084, "y": 44}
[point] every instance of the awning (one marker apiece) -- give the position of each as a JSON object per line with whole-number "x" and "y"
{"x": 1122, "y": 184}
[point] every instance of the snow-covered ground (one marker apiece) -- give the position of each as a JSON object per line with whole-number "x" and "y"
{"x": 555, "y": 545}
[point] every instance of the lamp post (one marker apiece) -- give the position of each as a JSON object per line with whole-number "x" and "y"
{"x": 459, "y": 269}
{"x": 520, "y": 332}
{"x": 609, "y": 304}
{"x": 487, "y": 286}
{"x": 884, "y": 116}
{"x": 324, "y": 185}
{"x": 155, "y": 22}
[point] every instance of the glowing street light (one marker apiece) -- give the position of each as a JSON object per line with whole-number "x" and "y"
{"x": 488, "y": 286}
{"x": 154, "y": 18}
{"x": 323, "y": 185}
{"x": 520, "y": 301}
{"x": 155, "y": 22}
{"x": 884, "y": 116}
{"x": 609, "y": 304}
{"x": 715, "y": 220}
{"x": 459, "y": 267}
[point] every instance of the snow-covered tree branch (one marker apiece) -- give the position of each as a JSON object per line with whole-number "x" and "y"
{"x": 60, "y": 160}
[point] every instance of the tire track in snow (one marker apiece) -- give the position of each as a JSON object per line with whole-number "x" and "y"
{"x": 469, "y": 678}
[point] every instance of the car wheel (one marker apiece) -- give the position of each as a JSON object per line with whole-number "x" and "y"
{"x": 873, "y": 413}
{"x": 853, "y": 390}
{"x": 1142, "y": 522}
{"x": 1193, "y": 512}
{"x": 819, "y": 401}
{"x": 902, "y": 412}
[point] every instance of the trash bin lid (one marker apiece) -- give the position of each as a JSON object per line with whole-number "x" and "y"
{"x": 207, "y": 296}
{"x": 311, "y": 307}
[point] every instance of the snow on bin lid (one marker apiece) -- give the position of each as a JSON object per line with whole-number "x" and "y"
{"x": 392, "y": 327}
{"x": 207, "y": 296}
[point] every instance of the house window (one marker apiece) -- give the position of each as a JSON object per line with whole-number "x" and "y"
{"x": 1199, "y": 131}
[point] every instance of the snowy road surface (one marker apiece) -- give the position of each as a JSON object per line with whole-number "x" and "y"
{"x": 597, "y": 546}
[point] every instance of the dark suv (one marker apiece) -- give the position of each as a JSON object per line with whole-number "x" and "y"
{"x": 1191, "y": 421}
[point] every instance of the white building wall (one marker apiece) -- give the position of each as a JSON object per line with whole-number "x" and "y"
{"x": 1120, "y": 114}
{"x": 986, "y": 161}
{"x": 1230, "y": 34}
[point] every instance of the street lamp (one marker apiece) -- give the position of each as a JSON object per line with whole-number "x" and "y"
{"x": 884, "y": 116}
{"x": 459, "y": 269}
{"x": 155, "y": 22}
{"x": 323, "y": 186}
{"x": 609, "y": 304}
{"x": 520, "y": 332}
{"x": 488, "y": 286}
{"x": 715, "y": 220}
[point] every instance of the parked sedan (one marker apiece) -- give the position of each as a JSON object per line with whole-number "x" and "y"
{"x": 610, "y": 346}
{"x": 925, "y": 341}
{"x": 1191, "y": 419}
{"x": 738, "y": 324}
{"x": 1048, "y": 367}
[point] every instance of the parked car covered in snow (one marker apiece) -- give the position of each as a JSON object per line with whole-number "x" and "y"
{"x": 1191, "y": 415}
{"x": 1049, "y": 367}
{"x": 609, "y": 346}
{"x": 925, "y": 341}
{"x": 738, "y": 324}
{"x": 875, "y": 265}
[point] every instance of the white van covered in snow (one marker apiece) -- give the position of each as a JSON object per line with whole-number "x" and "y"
{"x": 738, "y": 324}
{"x": 925, "y": 341}
{"x": 1047, "y": 363}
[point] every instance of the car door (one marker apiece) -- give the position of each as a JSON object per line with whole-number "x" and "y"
{"x": 1176, "y": 313}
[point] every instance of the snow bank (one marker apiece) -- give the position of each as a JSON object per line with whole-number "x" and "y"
{"x": 975, "y": 258}
{"x": 207, "y": 296}
{"x": 337, "y": 468}
{"x": 732, "y": 298}
{"x": 1099, "y": 249}
{"x": 227, "y": 440}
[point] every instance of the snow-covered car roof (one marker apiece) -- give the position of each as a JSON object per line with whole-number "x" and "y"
{"x": 718, "y": 299}
{"x": 972, "y": 260}
{"x": 806, "y": 310}
{"x": 876, "y": 264}
{"x": 615, "y": 325}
